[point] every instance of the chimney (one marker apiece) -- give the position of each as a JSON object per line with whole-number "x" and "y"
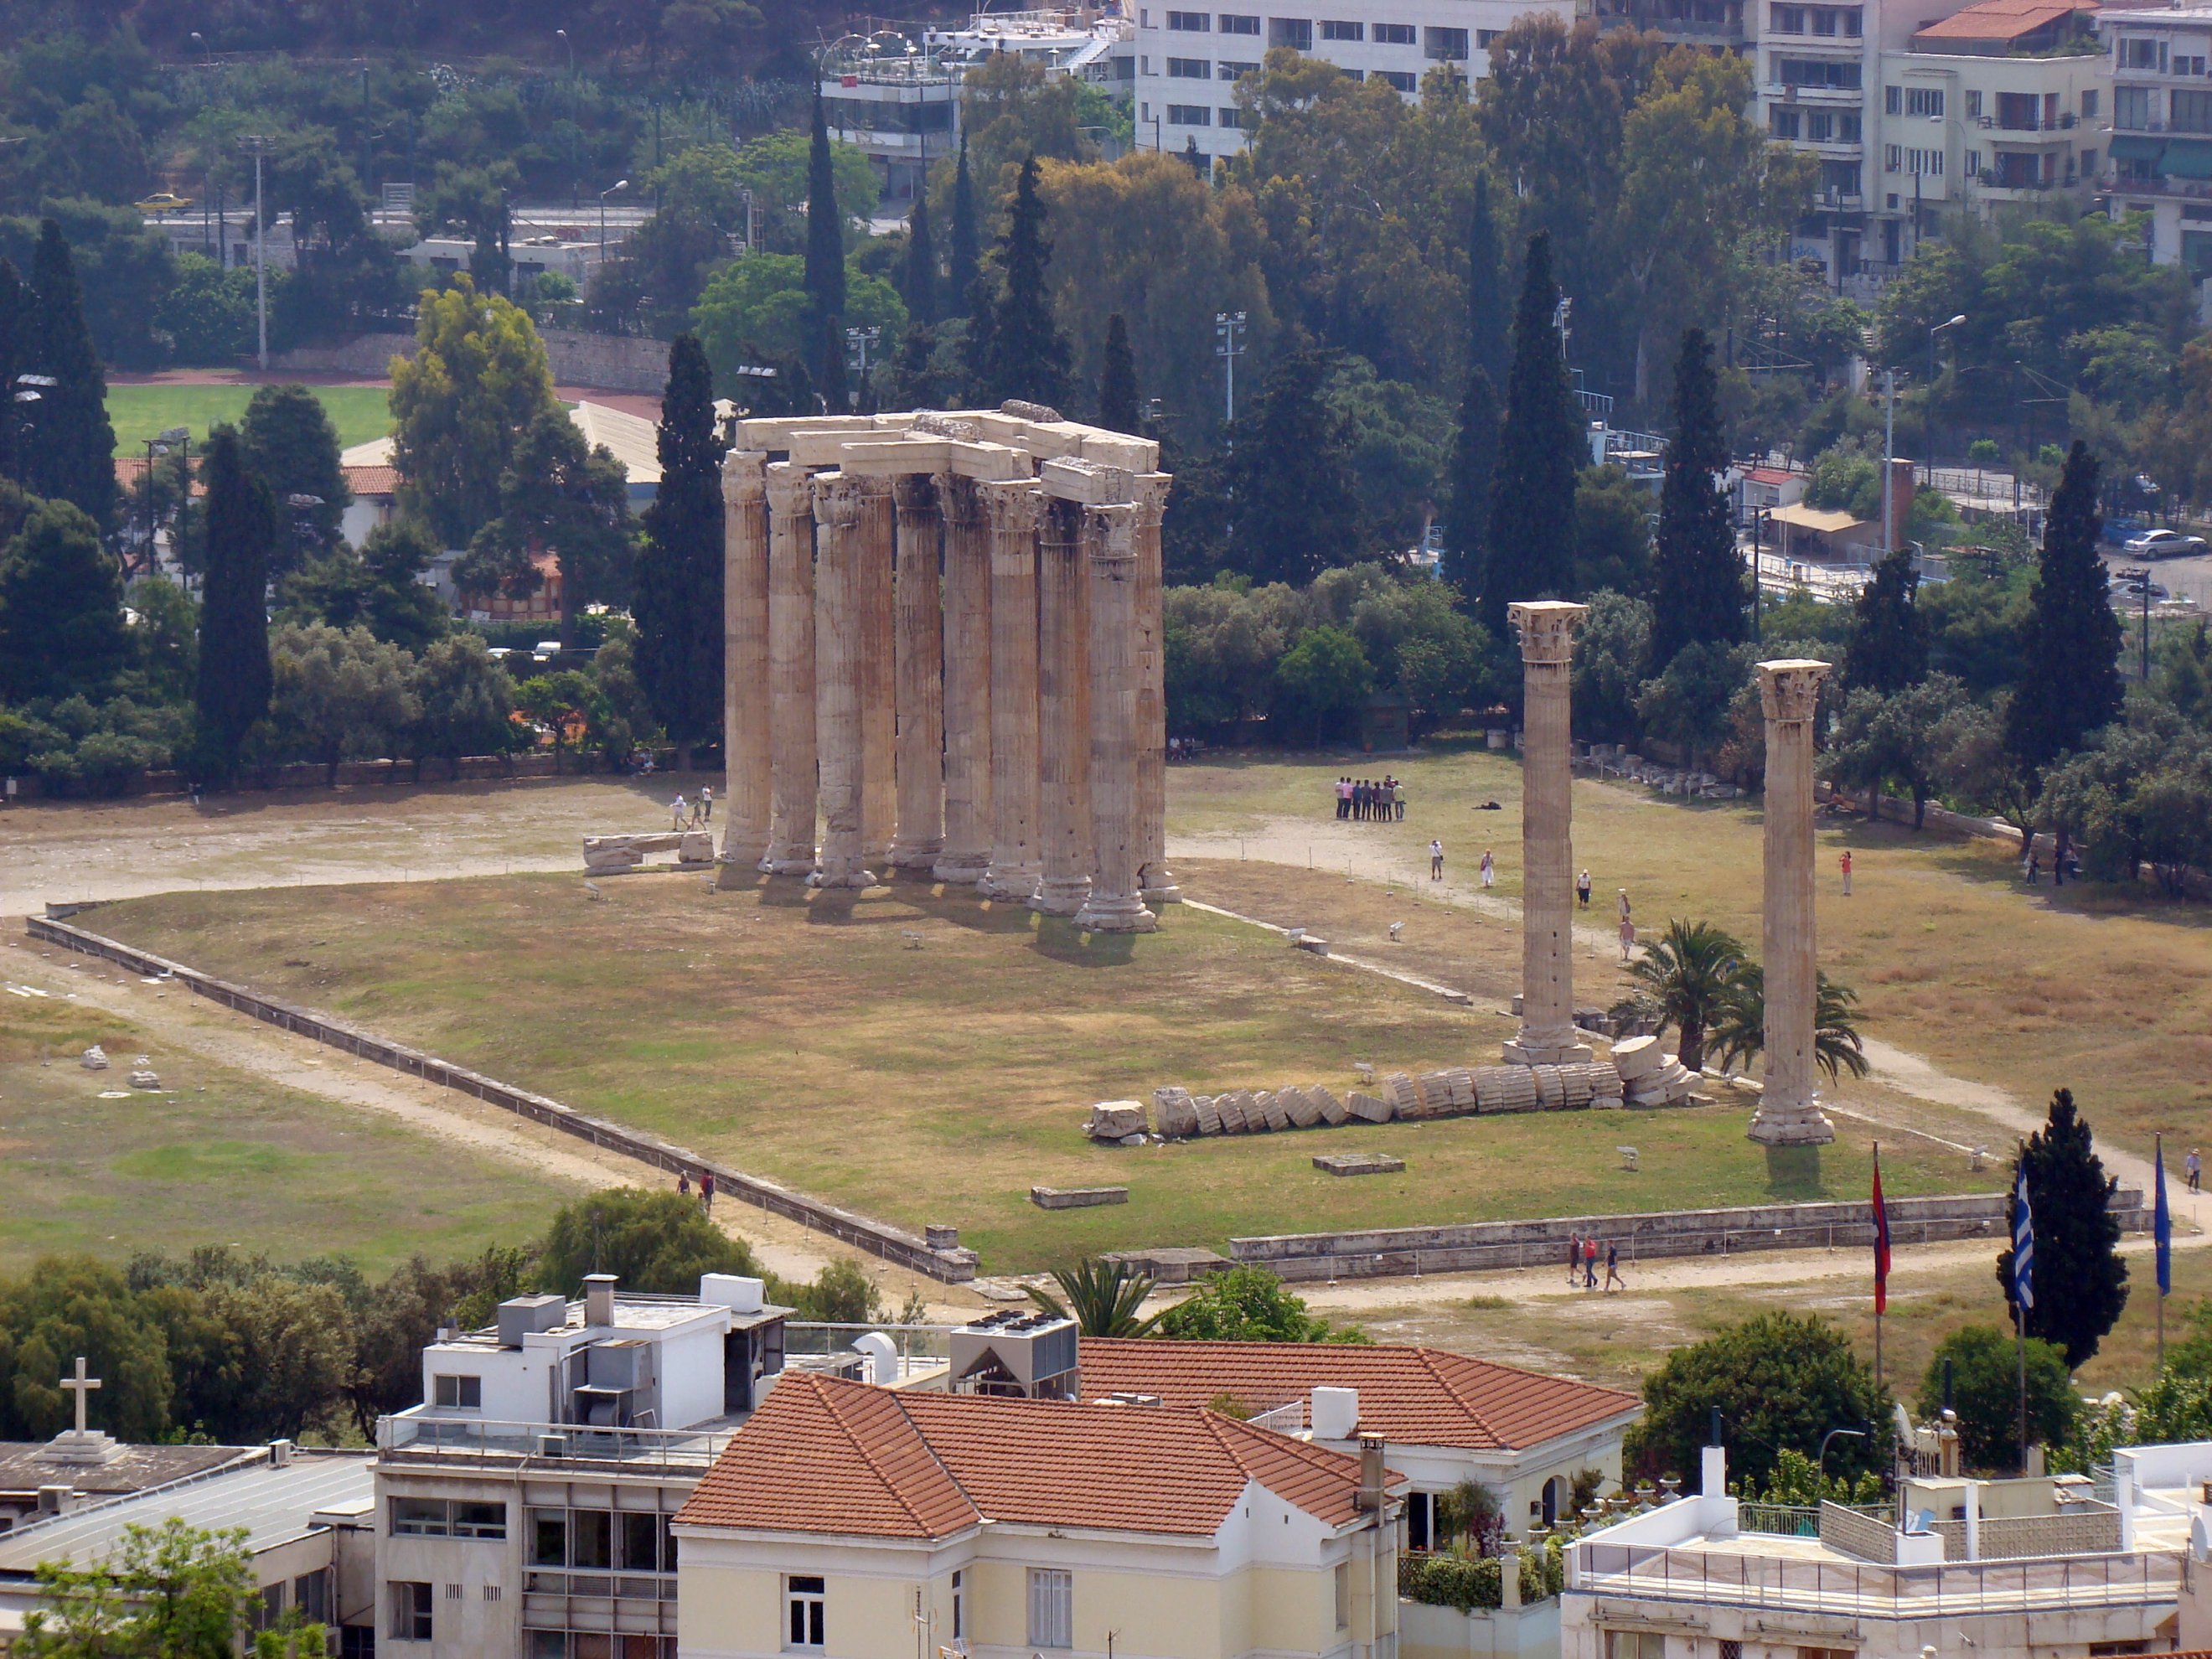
{"x": 599, "y": 1298}
{"x": 1901, "y": 488}
{"x": 1713, "y": 1477}
{"x": 1372, "y": 1491}
{"x": 1947, "y": 1445}
{"x": 1335, "y": 1413}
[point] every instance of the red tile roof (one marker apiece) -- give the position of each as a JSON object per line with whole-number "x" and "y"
{"x": 828, "y": 1456}
{"x": 1408, "y": 1395}
{"x": 2003, "y": 19}
{"x": 366, "y": 480}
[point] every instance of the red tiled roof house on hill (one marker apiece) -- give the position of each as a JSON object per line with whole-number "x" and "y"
{"x": 1445, "y": 1417}
{"x": 860, "y": 1522}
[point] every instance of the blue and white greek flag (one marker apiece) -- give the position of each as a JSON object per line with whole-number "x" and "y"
{"x": 2023, "y": 1247}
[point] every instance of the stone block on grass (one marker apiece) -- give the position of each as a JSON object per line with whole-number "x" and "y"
{"x": 1357, "y": 1163}
{"x": 1368, "y": 1109}
{"x": 1333, "y": 1110}
{"x": 1116, "y": 1120}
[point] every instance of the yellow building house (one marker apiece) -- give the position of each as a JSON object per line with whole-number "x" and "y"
{"x": 857, "y": 1522}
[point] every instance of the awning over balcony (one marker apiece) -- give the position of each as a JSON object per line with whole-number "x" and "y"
{"x": 2134, "y": 147}
{"x": 2187, "y": 159}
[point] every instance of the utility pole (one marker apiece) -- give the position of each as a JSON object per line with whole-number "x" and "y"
{"x": 257, "y": 148}
{"x": 1229, "y": 328}
{"x": 1889, "y": 459}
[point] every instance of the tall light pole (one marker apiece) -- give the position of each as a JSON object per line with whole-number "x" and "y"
{"x": 1932, "y": 333}
{"x": 1229, "y": 328}
{"x": 619, "y": 184}
{"x": 257, "y": 147}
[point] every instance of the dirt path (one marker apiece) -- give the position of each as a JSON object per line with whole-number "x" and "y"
{"x": 176, "y": 1017}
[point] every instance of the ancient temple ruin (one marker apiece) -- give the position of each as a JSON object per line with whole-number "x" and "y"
{"x": 944, "y": 653}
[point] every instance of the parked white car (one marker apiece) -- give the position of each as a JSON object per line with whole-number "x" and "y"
{"x": 2166, "y": 544}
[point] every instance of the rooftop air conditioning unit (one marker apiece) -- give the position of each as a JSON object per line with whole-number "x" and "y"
{"x": 552, "y": 1445}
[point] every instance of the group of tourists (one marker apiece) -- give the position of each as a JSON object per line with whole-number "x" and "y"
{"x": 1373, "y": 801}
{"x": 706, "y": 1188}
{"x": 1581, "y": 1264}
{"x": 694, "y": 814}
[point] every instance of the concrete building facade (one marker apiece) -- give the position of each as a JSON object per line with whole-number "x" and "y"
{"x": 2160, "y": 147}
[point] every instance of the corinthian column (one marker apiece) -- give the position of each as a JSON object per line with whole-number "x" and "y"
{"x": 791, "y": 671}
{"x": 920, "y": 664}
{"x": 839, "y": 633}
{"x": 878, "y": 712}
{"x": 1116, "y": 724}
{"x": 1159, "y": 886}
{"x": 1010, "y": 509}
{"x": 1063, "y": 710}
{"x": 967, "y": 685}
{"x": 745, "y": 718}
{"x": 1547, "y": 1034}
{"x": 1789, "y": 1110}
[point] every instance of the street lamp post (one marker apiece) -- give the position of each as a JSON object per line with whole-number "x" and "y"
{"x": 257, "y": 147}
{"x": 1229, "y": 328}
{"x": 1821, "y": 1462}
{"x": 1932, "y": 333}
{"x": 619, "y": 184}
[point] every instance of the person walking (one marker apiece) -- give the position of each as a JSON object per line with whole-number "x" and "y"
{"x": 1589, "y": 1262}
{"x": 684, "y": 1183}
{"x": 2034, "y": 868}
{"x": 1489, "y": 871}
{"x": 1627, "y": 928}
{"x": 2195, "y": 1167}
{"x": 1613, "y": 1268}
{"x": 676, "y": 810}
{"x": 707, "y": 1191}
{"x": 1583, "y": 888}
{"x": 1846, "y": 863}
{"x": 1574, "y": 1257}
{"x": 706, "y": 803}
{"x": 1436, "y": 860}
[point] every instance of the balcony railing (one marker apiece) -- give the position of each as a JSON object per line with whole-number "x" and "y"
{"x": 2032, "y": 123}
{"x": 1660, "y": 1574}
{"x": 445, "y": 1440}
{"x": 629, "y": 1586}
{"x": 2196, "y": 189}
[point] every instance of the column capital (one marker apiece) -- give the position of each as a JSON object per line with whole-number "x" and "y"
{"x": 876, "y": 486}
{"x": 958, "y": 500}
{"x": 742, "y": 478}
{"x": 916, "y": 496}
{"x": 1789, "y": 688}
{"x": 837, "y": 499}
{"x": 1116, "y": 532}
{"x": 1547, "y": 629}
{"x": 1151, "y": 491}
{"x": 790, "y": 494}
{"x": 1014, "y": 505}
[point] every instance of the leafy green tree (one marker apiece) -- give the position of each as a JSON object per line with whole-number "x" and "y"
{"x": 467, "y": 699}
{"x": 754, "y": 312}
{"x": 66, "y": 1306}
{"x": 2080, "y": 1283}
{"x": 1698, "y": 585}
{"x": 1398, "y": 455}
{"x": 461, "y": 404}
{"x": 826, "y": 267}
{"x": 1540, "y": 453}
{"x": 1612, "y": 532}
{"x": 964, "y": 260}
{"x": 918, "y": 270}
{"x": 477, "y": 201}
{"x": 291, "y": 441}
{"x": 70, "y": 445}
{"x": 1984, "y": 1389}
{"x": 377, "y": 588}
{"x": 566, "y": 704}
{"x": 1910, "y": 737}
{"x": 172, "y": 1591}
{"x": 1298, "y": 499}
{"x": 1688, "y": 702}
{"x": 166, "y": 637}
{"x": 679, "y": 576}
{"x": 1612, "y": 662}
{"x": 1688, "y": 971}
{"x": 1739, "y": 1029}
{"x": 1324, "y": 679}
{"x": 1247, "y": 1304}
{"x": 17, "y": 320}
{"x": 1779, "y": 1380}
{"x": 2071, "y": 639}
{"x": 235, "y": 676}
{"x": 1468, "y": 482}
{"x": 61, "y": 605}
{"x": 123, "y": 267}
{"x": 1799, "y": 1479}
{"x": 1117, "y": 380}
{"x": 841, "y": 1294}
{"x": 1889, "y": 639}
{"x": 1488, "y": 303}
{"x": 561, "y": 496}
{"x": 339, "y": 694}
{"x": 1103, "y": 1298}
{"x": 657, "y": 1243}
{"x": 1023, "y": 354}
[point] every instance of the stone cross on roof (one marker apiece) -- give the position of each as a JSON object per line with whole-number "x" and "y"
{"x": 81, "y": 1386}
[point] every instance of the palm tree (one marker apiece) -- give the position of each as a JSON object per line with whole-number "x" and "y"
{"x": 1739, "y": 1027}
{"x": 1688, "y": 969}
{"x": 1102, "y": 1298}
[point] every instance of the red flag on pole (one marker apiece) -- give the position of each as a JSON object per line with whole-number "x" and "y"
{"x": 1881, "y": 1241}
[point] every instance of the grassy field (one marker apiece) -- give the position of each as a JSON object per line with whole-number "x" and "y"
{"x": 137, "y": 412}
{"x": 798, "y": 1036}
{"x": 219, "y": 1158}
{"x": 1953, "y": 957}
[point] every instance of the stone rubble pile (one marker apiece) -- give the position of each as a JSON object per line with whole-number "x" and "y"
{"x": 609, "y": 855}
{"x": 1650, "y": 1076}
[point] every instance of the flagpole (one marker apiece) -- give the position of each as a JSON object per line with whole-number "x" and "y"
{"x": 2023, "y": 1298}
{"x": 2161, "y": 1240}
{"x": 1882, "y": 1268}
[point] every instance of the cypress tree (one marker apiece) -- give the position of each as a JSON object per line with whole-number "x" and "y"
{"x": 965, "y": 258}
{"x": 825, "y": 264}
{"x": 14, "y": 346}
{"x": 61, "y": 605}
{"x": 234, "y": 680}
{"x": 1117, "y": 379}
{"x": 1698, "y": 591}
{"x": 1295, "y": 484}
{"x": 1025, "y": 354}
{"x": 678, "y": 601}
{"x": 72, "y": 446}
{"x": 2080, "y": 1283}
{"x": 1487, "y": 308}
{"x": 1531, "y": 553}
{"x": 2072, "y": 639}
{"x": 917, "y": 279}
{"x": 1473, "y": 466}
{"x": 1888, "y": 648}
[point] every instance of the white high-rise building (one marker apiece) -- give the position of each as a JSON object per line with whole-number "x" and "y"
{"x": 1189, "y": 61}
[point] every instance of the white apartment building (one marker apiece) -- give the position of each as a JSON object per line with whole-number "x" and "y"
{"x": 2161, "y": 148}
{"x": 1189, "y": 61}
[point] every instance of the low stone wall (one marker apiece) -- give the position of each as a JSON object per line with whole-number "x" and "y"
{"x": 1484, "y": 1246}
{"x": 952, "y": 1264}
{"x": 608, "y": 362}
{"x": 312, "y": 774}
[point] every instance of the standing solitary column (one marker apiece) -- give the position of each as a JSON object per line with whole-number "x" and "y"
{"x": 1063, "y": 710}
{"x": 745, "y": 718}
{"x": 1159, "y": 886}
{"x": 1547, "y": 1034}
{"x": 1789, "y": 1110}
{"x": 792, "y": 801}
{"x": 967, "y": 684}
{"x": 1116, "y": 724}
{"x": 1010, "y": 511}
{"x": 839, "y": 632}
{"x": 921, "y": 835}
{"x": 879, "y": 709}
